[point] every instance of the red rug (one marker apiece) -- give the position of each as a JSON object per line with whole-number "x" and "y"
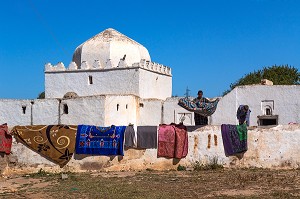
{"x": 5, "y": 139}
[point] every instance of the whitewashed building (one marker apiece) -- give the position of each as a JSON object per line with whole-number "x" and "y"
{"x": 112, "y": 80}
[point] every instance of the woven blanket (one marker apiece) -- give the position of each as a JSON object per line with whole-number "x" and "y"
{"x": 234, "y": 138}
{"x": 129, "y": 137}
{"x": 202, "y": 108}
{"x": 147, "y": 137}
{"x": 172, "y": 141}
{"x": 166, "y": 141}
{"x": 54, "y": 142}
{"x": 100, "y": 140}
{"x": 181, "y": 141}
{"x": 5, "y": 139}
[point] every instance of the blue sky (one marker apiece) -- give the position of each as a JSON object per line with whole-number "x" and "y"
{"x": 208, "y": 44}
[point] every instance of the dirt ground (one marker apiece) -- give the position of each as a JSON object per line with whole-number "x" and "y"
{"x": 220, "y": 183}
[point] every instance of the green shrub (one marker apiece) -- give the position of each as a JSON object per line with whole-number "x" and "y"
{"x": 181, "y": 168}
{"x": 212, "y": 165}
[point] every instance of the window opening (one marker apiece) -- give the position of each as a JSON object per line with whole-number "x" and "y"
{"x": 90, "y": 79}
{"x": 24, "y": 109}
{"x": 268, "y": 111}
{"x": 118, "y": 107}
{"x": 126, "y": 106}
{"x": 267, "y": 120}
{"x": 66, "y": 109}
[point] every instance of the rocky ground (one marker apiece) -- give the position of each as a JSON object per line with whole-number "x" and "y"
{"x": 217, "y": 183}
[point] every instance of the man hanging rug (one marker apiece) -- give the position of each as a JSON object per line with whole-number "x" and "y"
{"x": 100, "y": 140}
{"x": 203, "y": 108}
{"x": 54, "y": 142}
{"x": 5, "y": 139}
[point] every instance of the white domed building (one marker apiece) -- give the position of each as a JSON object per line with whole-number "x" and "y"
{"x": 109, "y": 63}
{"x": 112, "y": 81}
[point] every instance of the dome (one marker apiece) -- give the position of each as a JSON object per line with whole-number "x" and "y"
{"x": 110, "y": 45}
{"x": 70, "y": 95}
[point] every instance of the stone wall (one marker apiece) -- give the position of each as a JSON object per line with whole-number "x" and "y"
{"x": 276, "y": 147}
{"x": 125, "y": 109}
{"x": 143, "y": 79}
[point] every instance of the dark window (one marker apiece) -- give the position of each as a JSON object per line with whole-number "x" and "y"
{"x": 90, "y": 79}
{"x": 126, "y": 106}
{"x": 266, "y": 122}
{"x": 118, "y": 107}
{"x": 268, "y": 111}
{"x": 141, "y": 105}
{"x": 66, "y": 109}
{"x": 24, "y": 109}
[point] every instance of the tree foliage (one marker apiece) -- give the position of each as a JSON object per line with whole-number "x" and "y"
{"x": 41, "y": 95}
{"x": 279, "y": 75}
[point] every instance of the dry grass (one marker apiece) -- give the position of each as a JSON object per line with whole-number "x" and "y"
{"x": 221, "y": 183}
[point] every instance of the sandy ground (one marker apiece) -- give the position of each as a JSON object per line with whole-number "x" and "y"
{"x": 220, "y": 183}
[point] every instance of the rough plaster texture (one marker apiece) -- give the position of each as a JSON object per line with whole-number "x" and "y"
{"x": 150, "y": 112}
{"x": 120, "y": 81}
{"x": 12, "y": 112}
{"x": 286, "y": 103}
{"x": 101, "y": 110}
{"x": 154, "y": 85}
{"x": 120, "y": 110}
{"x": 110, "y": 45}
{"x": 45, "y": 112}
{"x": 226, "y": 110}
{"x": 88, "y": 110}
{"x": 275, "y": 147}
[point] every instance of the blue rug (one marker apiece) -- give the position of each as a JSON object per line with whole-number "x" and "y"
{"x": 100, "y": 140}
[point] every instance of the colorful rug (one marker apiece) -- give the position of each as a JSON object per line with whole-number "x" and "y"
{"x": 181, "y": 141}
{"x": 5, "y": 139}
{"x": 166, "y": 141}
{"x": 100, "y": 140}
{"x": 54, "y": 142}
{"x": 202, "y": 108}
{"x": 172, "y": 141}
{"x": 234, "y": 138}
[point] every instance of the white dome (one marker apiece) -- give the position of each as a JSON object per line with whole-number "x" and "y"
{"x": 110, "y": 44}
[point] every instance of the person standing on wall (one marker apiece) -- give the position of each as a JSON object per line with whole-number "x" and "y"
{"x": 199, "y": 119}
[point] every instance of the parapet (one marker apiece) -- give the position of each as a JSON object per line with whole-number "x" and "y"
{"x": 85, "y": 66}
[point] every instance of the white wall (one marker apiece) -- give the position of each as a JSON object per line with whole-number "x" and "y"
{"x": 154, "y": 85}
{"x": 226, "y": 110}
{"x": 120, "y": 110}
{"x": 118, "y": 81}
{"x": 87, "y": 110}
{"x": 101, "y": 110}
{"x": 12, "y": 112}
{"x": 286, "y": 101}
{"x": 45, "y": 111}
{"x": 150, "y": 112}
{"x": 115, "y": 81}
